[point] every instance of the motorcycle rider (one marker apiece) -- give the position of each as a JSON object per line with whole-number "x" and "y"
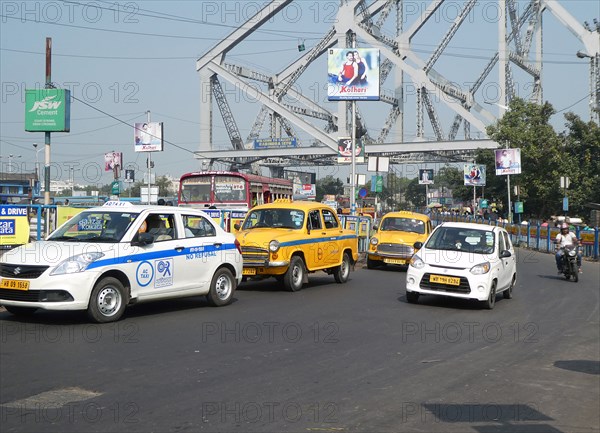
{"x": 564, "y": 238}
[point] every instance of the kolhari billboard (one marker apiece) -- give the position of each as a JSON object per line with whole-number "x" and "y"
{"x": 47, "y": 110}
{"x": 353, "y": 74}
{"x": 148, "y": 137}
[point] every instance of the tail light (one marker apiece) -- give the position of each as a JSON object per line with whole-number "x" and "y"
{"x": 238, "y": 246}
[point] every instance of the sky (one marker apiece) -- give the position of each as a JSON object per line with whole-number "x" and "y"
{"x": 123, "y": 59}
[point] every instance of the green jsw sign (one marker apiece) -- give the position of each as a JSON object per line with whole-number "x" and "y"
{"x": 47, "y": 110}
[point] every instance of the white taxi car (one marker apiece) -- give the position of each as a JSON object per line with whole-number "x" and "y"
{"x": 108, "y": 257}
{"x": 463, "y": 260}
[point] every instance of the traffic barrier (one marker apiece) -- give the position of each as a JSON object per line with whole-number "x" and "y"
{"x": 536, "y": 236}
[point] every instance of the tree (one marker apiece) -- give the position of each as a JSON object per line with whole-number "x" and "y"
{"x": 582, "y": 144}
{"x": 328, "y": 185}
{"x": 526, "y": 126}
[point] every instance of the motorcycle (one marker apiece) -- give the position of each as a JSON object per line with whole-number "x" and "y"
{"x": 569, "y": 262}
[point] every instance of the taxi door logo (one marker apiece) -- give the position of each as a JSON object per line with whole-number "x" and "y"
{"x": 144, "y": 273}
{"x": 164, "y": 276}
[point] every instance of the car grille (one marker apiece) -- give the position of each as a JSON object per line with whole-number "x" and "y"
{"x": 20, "y": 295}
{"x": 22, "y": 271}
{"x": 463, "y": 287}
{"x": 398, "y": 250}
{"x": 255, "y": 256}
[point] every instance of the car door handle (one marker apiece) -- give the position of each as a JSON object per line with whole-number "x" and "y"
{"x": 323, "y": 233}
{"x": 179, "y": 249}
{"x": 218, "y": 244}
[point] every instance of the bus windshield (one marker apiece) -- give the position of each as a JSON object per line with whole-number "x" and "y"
{"x": 229, "y": 189}
{"x": 195, "y": 189}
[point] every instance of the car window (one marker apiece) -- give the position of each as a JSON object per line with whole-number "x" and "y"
{"x": 461, "y": 239}
{"x": 197, "y": 227}
{"x": 274, "y": 218}
{"x": 331, "y": 221}
{"x": 160, "y": 226}
{"x": 95, "y": 226}
{"x": 403, "y": 224}
{"x": 314, "y": 220}
{"x": 507, "y": 240}
{"x": 501, "y": 243}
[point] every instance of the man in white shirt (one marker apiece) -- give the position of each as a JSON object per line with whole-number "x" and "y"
{"x": 564, "y": 238}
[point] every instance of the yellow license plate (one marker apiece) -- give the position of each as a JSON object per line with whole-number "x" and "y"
{"x": 395, "y": 261}
{"x": 14, "y": 284}
{"x": 249, "y": 271}
{"x": 441, "y": 279}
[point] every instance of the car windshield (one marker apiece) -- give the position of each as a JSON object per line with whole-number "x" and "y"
{"x": 403, "y": 225}
{"x": 274, "y": 218}
{"x": 100, "y": 226}
{"x": 461, "y": 239}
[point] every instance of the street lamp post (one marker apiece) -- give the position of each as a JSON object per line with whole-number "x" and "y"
{"x": 37, "y": 164}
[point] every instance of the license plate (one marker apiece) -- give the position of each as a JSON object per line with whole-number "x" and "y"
{"x": 14, "y": 284}
{"x": 395, "y": 261}
{"x": 441, "y": 279}
{"x": 249, "y": 271}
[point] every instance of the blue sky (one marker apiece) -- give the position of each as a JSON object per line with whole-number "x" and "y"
{"x": 121, "y": 59}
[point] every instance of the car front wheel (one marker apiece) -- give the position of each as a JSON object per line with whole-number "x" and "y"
{"x": 222, "y": 288}
{"x": 491, "y": 300}
{"x": 294, "y": 277}
{"x": 108, "y": 301}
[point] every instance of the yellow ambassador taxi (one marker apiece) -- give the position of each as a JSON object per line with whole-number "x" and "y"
{"x": 395, "y": 236}
{"x": 289, "y": 239}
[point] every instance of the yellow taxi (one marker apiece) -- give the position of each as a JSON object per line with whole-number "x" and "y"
{"x": 289, "y": 239}
{"x": 394, "y": 237}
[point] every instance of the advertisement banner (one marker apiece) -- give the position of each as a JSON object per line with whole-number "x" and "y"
{"x": 129, "y": 176}
{"x": 426, "y": 176}
{"x": 275, "y": 143}
{"x": 353, "y": 74}
{"x": 474, "y": 175}
{"x": 14, "y": 225}
{"x": 47, "y": 110}
{"x": 345, "y": 151}
{"x": 112, "y": 160}
{"x": 148, "y": 137}
{"x": 508, "y": 161}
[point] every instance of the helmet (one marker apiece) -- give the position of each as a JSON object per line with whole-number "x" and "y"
{"x": 564, "y": 226}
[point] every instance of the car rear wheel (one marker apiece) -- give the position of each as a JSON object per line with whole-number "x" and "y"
{"x": 342, "y": 272}
{"x": 108, "y": 301}
{"x": 294, "y": 277}
{"x": 491, "y": 300}
{"x": 222, "y": 288}
{"x": 20, "y": 311}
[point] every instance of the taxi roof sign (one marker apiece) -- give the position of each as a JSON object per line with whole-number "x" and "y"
{"x": 115, "y": 203}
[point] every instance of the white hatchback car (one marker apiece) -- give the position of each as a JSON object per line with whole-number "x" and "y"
{"x": 108, "y": 257}
{"x": 463, "y": 260}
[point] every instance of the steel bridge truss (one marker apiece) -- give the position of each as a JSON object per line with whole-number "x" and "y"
{"x": 519, "y": 45}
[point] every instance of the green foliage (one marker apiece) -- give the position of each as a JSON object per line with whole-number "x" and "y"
{"x": 328, "y": 185}
{"x": 526, "y": 126}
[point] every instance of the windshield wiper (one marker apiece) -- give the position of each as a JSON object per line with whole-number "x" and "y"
{"x": 63, "y": 238}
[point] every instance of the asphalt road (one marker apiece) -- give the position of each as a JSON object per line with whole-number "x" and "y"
{"x": 354, "y": 357}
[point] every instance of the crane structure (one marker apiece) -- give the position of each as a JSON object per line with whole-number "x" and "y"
{"x": 381, "y": 24}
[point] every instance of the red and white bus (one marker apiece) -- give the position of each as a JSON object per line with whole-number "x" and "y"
{"x": 230, "y": 190}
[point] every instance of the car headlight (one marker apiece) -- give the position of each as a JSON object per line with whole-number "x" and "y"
{"x": 274, "y": 246}
{"x": 416, "y": 262}
{"x": 480, "y": 269}
{"x": 374, "y": 241}
{"x": 78, "y": 263}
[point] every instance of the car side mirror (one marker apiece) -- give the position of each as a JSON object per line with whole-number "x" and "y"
{"x": 504, "y": 254}
{"x": 418, "y": 245}
{"x": 236, "y": 226}
{"x": 143, "y": 239}
{"x": 375, "y": 228}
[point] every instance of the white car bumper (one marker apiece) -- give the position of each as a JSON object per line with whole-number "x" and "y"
{"x": 469, "y": 286}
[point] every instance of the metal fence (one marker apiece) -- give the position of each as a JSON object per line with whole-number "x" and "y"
{"x": 534, "y": 236}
